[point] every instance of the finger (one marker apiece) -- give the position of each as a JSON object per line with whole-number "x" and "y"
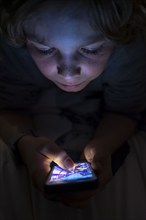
{"x": 89, "y": 153}
{"x": 102, "y": 168}
{"x": 93, "y": 158}
{"x": 54, "y": 153}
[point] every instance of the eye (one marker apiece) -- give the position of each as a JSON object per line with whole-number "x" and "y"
{"x": 50, "y": 51}
{"x": 86, "y": 51}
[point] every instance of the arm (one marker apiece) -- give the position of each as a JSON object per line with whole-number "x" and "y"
{"x": 36, "y": 152}
{"x": 13, "y": 123}
{"x": 112, "y": 132}
{"x": 123, "y": 92}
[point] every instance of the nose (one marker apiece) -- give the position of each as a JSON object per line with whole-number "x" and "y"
{"x": 68, "y": 70}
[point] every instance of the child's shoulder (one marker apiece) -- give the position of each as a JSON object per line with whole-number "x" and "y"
{"x": 132, "y": 49}
{"x": 135, "y": 50}
{"x": 128, "y": 57}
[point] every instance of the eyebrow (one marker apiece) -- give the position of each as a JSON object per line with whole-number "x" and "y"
{"x": 37, "y": 39}
{"x": 91, "y": 39}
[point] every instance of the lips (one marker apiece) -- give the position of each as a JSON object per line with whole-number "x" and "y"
{"x": 69, "y": 85}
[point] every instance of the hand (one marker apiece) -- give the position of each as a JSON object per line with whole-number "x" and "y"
{"x": 100, "y": 161}
{"x": 37, "y": 153}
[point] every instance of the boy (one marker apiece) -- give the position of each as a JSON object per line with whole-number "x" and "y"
{"x": 70, "y": 79}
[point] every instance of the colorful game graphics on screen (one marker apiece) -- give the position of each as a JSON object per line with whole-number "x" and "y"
{"x": 79, "y": 171}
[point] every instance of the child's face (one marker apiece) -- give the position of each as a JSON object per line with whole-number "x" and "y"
{"x": 66, "y": 49}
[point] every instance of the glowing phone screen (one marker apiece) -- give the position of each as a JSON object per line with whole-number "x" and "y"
{"x": 78, "y": 172}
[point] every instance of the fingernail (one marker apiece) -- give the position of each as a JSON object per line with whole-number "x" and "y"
{"x": 68, "y": 163}
{"x": 92, "y": 153}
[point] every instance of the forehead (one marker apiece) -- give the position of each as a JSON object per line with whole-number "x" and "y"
{"x": 53, "y": 19}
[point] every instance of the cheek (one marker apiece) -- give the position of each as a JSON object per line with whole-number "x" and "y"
{"x": 96, "y": 66}
{"x": 94, "y": 69}
{"x": 46, "y": 67}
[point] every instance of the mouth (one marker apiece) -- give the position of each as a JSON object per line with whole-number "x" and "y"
{"x": 69, "y": 85}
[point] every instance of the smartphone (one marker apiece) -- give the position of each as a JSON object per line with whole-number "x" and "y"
{"x": 80, "y": 177}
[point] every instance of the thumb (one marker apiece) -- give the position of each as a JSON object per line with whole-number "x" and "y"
{"x": 93, "y": 156}
{"x": 47, "y": 154}
{"x": 56, "y": 154}
{"x": 89, "y": 152}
